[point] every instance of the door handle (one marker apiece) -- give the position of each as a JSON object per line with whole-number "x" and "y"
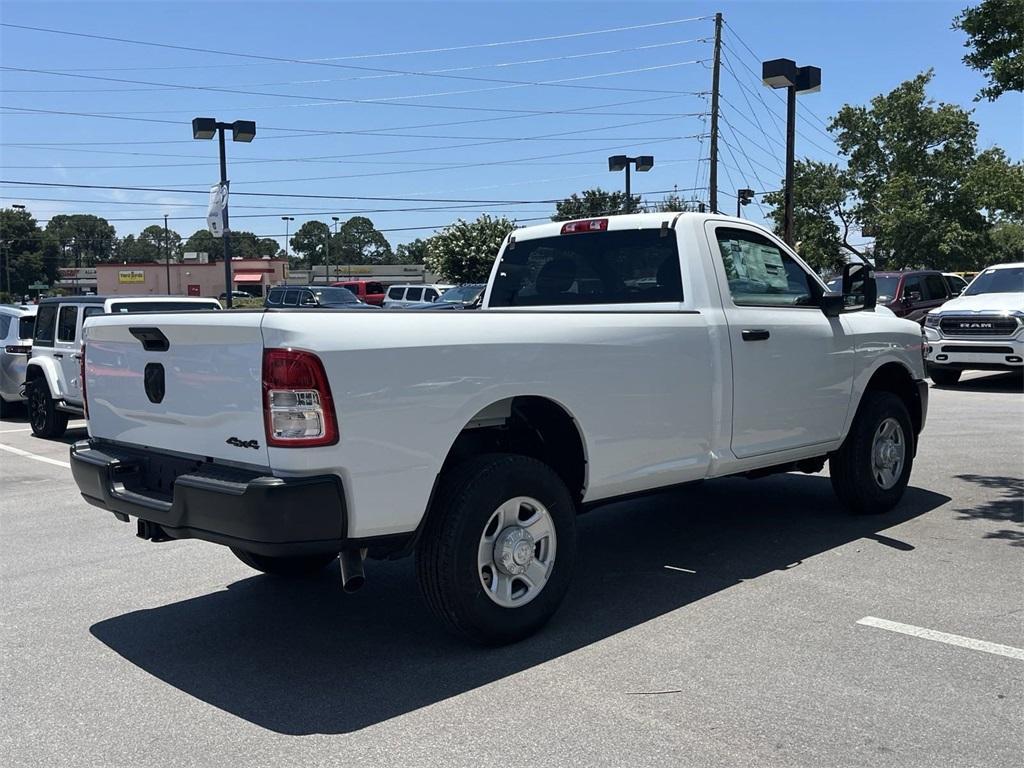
{"x": 76, "y": 356}
{"x": 755, "y": 334}
{"x": 58, "y": 355}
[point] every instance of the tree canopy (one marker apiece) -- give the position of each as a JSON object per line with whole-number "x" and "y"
{"x": 464, "y": 252}
{"x": 915, "y": 179}
{"x": 593, "y": 202}
{"x": 995, "y": 37}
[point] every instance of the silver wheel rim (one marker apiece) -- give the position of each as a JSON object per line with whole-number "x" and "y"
{"x": 516, "y": 552}
{"x": 888, "y": 453}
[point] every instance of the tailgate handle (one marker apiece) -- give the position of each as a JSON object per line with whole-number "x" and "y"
{"x": 153, "y": 339}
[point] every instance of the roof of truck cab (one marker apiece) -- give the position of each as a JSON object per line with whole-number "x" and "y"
{"x": 626, "y": 221}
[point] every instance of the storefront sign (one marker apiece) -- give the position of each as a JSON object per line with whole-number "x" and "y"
{"x": 131, "y": 276}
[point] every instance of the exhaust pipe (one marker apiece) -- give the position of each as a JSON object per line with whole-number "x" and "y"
{"x": 352, "y": 576}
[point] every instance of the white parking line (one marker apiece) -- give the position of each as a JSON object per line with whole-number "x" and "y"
{"x": 945, "y": 637}
{"x": 6, "y": 431}
{"x": 27, "y": 455}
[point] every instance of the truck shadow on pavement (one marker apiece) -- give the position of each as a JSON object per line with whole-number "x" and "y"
{"x": 1008, "y": 508}
{"x": 1012, "y": 381}
{"x": 300, "y": 657}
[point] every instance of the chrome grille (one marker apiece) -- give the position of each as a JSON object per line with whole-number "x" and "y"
{"x": 978, "y": 325}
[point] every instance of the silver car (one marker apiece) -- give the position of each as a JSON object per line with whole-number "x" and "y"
{"x": 16, "y": 326}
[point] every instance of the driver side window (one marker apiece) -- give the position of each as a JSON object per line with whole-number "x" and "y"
{"x": 762, "y": 274}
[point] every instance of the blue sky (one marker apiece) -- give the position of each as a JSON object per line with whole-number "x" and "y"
{"x": 466, "y": 123}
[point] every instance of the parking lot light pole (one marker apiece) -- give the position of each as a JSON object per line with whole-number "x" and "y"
{"x": 241, "y": 130}
{"x": 167, "y": 255}
{"x": 287, "y": 220}
{"x": 622, "y": 162}
{"x": 743, "y": 197}
{"x": 784, "y": 73}
{"x": 335, "y": 219}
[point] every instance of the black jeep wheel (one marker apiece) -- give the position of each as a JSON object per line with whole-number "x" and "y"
{"x": 43, "y": 416}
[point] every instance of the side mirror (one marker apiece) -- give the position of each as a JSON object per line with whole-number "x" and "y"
{"x": 912, "y": 296}
{"x": 859, "y": 289}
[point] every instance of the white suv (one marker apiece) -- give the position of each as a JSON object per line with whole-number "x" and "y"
{"x": 407, "y": 295}
{"x": 53, "y": 375}
{"x": 982, "y": 329}
{"x": 16, "y": 323}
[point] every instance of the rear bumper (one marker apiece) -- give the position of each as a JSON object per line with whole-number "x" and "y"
{"x": 180, "y": 498}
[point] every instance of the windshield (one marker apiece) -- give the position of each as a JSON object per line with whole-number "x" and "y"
{"x": 460, "y": 294}
{"x": 1007, "y": 280}
{"x": 335, "y": 296}
{"x": 835, "y": 285}
{"x": 887, "y": 287}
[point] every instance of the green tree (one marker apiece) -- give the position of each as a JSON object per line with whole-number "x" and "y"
{"x": 593, "y": 202}
{"x": 201, "y": 241}
{"x": 823, "y": 215}
{"x": 309, "y": 242}
{"x": 412, "y": 253}
{"x": 464, "y": 252}
{"x": 83, "y": 238}
{"x": 995, "y": 37}
{"x": 359, "y": 242}
{"x": 155, "y": 236}
{"x": 20, "y": 251}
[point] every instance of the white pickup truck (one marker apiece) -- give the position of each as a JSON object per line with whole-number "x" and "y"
{"x": 612, "y": 357}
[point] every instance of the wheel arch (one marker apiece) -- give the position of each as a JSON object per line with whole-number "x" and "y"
{"x": 896, "y": 378}
{"x": 42, "y": 368}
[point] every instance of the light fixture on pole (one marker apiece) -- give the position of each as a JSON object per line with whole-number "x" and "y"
{"x": 287, "y": 220}
{"x": 335, "y": 219}
{"x": 622, "y": 162}
{"x": 241, "y": 130}
{"x": 784, "y": 73}
{"x": 743, "y": 197}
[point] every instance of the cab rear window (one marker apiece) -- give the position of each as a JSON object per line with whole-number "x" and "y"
{"x": 622, "y": 267}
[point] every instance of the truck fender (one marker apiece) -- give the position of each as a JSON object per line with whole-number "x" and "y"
{"x": 45, "y": 368}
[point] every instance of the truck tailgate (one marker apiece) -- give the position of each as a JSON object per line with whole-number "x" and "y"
{"x": 183, "y": 382}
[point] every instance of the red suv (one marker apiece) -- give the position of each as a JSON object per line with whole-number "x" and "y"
{"x": 365, "y": 290}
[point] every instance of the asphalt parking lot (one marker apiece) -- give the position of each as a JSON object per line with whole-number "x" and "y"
{"x": 738, "y": 623}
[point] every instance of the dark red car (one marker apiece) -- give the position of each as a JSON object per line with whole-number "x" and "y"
{"x": 368, "y": 291}
{"x": 912, "y": 293}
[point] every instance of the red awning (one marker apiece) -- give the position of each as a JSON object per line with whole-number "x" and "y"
{"x": 248, "y": 277}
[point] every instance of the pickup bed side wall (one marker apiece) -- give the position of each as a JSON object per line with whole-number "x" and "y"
{"x": 638, "y": 384}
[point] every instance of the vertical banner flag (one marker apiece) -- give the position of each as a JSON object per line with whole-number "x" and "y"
{"x": 216, "y": 214}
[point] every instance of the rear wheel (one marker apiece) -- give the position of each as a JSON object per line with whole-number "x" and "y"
{"x": 295, "y": 565}
{"x": 944, "y": 377}
{"x": 871, "y": 469}
{"x": 497, "y": 554}
{"x": 43, "y": 416}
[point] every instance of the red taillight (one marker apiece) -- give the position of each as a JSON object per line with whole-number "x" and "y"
{"x": 14, "y": 349}
{"x": 298, "y": 410}
{"x": 81, "y": 378}
{"x": 587, "y": 225}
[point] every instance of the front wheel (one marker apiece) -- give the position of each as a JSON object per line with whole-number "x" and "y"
{"x": 44, "y": 418}
{"x": 295, "y": 565}
{"x": 943, "y": 377}
{"x": 497, "y": 553}
{"x": 871, "y": 469}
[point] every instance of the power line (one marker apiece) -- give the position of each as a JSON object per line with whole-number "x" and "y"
{"x": 323, "y": 81}
{"x": 449, "y": 49}
{"x": 304, "y": 196}
{"x": 276, "y": 59}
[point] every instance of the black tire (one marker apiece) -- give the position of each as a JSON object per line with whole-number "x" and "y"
{"x": 293, "y": 566}
{"x": 943, "y": 377}
{"x": 446, "y": 555}
{"x": 44, "y": 418}
{"x": 852, "y": 467}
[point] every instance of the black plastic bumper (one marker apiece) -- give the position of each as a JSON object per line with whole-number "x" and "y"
{"x": 181, "y": 498}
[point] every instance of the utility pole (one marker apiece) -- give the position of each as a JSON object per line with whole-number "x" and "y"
{"x": 716, "y": 71}
{"x": 167, "y": 255}
{"x": 335, "y": 219}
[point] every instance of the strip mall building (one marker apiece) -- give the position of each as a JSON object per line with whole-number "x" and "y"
{"x": 189, "y": 278}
